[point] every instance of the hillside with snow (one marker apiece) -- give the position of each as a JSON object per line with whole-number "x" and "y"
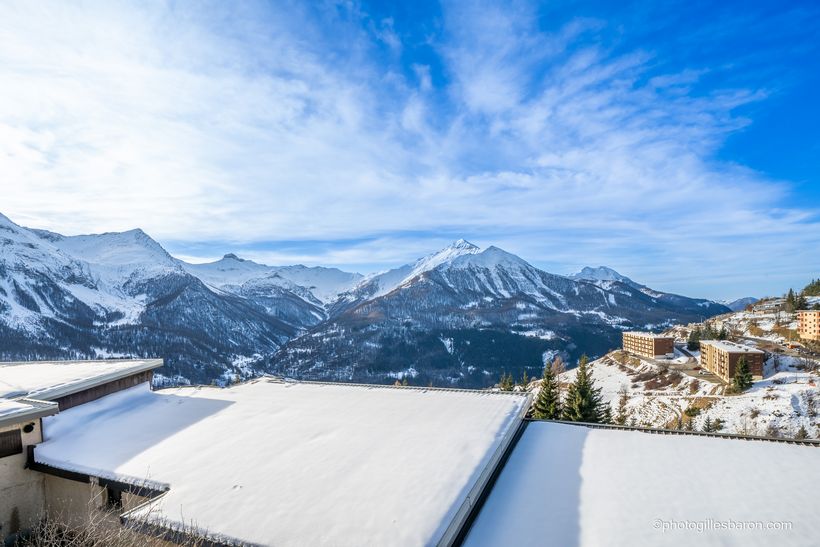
{"x": 673, "y": 395}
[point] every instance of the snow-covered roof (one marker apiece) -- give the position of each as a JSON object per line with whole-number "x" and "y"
{"x": 49, "y": 380}
{"x": 731, "y": 347}
{"x": 275, "y": 463}
{"x": 647, "y": 334}
{"x": 16, "y": 411}
{"x": 574, "y": 485}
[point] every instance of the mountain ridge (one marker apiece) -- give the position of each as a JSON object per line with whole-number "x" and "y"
{"x": 122, "y": 293}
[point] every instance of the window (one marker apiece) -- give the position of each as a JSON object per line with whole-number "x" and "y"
{"x": 11, "y": 443}
{"x": 113, "y": 497}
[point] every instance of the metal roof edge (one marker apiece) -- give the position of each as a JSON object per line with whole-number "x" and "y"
{"x": 459, "y": 527}
{"x": 36, "y": 409}
{"x": 56, "y": 392}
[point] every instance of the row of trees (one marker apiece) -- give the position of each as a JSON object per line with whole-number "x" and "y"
{"x": 708, "y": 332}
{"x": 582, "y": 403}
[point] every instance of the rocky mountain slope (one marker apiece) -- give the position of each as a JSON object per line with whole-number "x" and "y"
{"x": 456, "y": 317}
{"x": 463, "y": 316}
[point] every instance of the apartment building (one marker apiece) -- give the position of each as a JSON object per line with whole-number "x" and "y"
{"x": 720, "y": 357}
{"x": 808, "y": 324}
{"x": 647, "y": 344}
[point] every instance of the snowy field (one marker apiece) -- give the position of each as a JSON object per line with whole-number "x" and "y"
{"x": 277, "y": 463}
{"x": 572, "y": 485}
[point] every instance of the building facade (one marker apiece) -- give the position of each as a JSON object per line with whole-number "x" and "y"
{"x": 721, "y": 357}
{"x": 649, "y": 345}
{"x": 808, "y": 324}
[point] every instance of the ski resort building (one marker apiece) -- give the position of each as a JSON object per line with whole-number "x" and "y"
{"x": 273, "y": 462}
{"x": 808, "y": 324}
{"x": 720, "y": 357}
{"x": 647, "y": 344}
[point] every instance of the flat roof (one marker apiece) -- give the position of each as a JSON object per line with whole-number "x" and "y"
{"x": 48, "y": 380}
{"x": 647, "y": 334}
{"x": 731, "y": 347}
{"x": 275, "y": 463}
{"x": 17, "y": 411}
{"x": 576, "y": 485}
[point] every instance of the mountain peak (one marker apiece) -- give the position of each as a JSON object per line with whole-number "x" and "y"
{"x": 601, "y": 273}
{"x": 462, "y": 244}
{"x": 232, "y": 256}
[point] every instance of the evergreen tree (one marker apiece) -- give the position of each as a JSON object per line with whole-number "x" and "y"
{"x": 717, "y": 425}
{"x": 525, "y": 380}
{"x": 693, "y": 343}
{"x": 547, "y": 405}
{"x": 743, "y": 376}
{"x": 707, "y": 424}
{"x": 583, "y": 401}
{"x": 812, "y": 289}
{"x": 606, "y": 416}
{"x": 722, "y": 335}
{"x": 623, "y": 400}
{"x": 791, "y": 301}
{"x": 801, "y": 433}
{"x": 506, "y": 383}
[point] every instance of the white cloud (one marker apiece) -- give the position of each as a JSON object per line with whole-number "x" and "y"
{"x": 274, "y": 124}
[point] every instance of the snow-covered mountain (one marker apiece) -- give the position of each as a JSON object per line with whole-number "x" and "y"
{"x": 740, "y": 304}
{"x": 458, "y": 316}
{"x": 462, "y": 315}
{"x": 602, "y": 275}
{"x": 317, "y": 285}
{"x": 122, "y": 294}
{"x": 609, "y": 279}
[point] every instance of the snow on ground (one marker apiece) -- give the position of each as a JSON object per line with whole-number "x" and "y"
{"x": 39, "y": 379}
{"x": 572, "y": 485}
{"x": 778, "y": 405}
{"x": 309, "y": 464}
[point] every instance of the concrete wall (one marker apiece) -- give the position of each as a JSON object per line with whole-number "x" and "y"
{"x": 22, "y": 496}
{"x": 84, "y": 506}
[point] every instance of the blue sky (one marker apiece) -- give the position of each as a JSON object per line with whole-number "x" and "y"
{"x": 676, "y": 142}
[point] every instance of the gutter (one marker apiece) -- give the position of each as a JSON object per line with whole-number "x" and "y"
{"x": 56, "y": 392}
{"x": 459, "y": 527}
{"x": 36, "y": 409}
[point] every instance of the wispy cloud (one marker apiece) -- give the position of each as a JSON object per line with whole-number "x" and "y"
{"x": 310, "y": 134}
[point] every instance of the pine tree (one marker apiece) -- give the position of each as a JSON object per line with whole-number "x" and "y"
{"x": 707, "y": 424}
{"x": 506, "y": 383}
{"x": 606, "y": 416}
{"x": 722, "y": 335}
{"x": 801, "y": 433}
{"x": 623, "y": 400}
{"x": 790, "y": 301}
{"x": 525, "y": 380}
{"x": 583, "y": 401}
{"x": 547, "y": 405}
{"x": 693, "y": 343}
{"x": 743, "y": 376}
